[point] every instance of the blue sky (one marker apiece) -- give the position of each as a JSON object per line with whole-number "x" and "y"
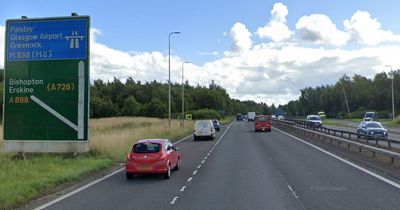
{"x": 244, "y": 55}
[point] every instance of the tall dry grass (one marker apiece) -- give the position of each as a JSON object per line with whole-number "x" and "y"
{"x": 114, "y": 137}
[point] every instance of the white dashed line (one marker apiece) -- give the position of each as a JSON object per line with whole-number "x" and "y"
{"x": 199, "y": 166}
{"x": 194, "y": 172}
{"x": 205, "y": 158}
{"x": 182, "y": 189}
{"x": 203, "y": 161}
{"x": 293, "y": 192}
{"x": 174, "y": 200}
{"x": 190, "y": 179}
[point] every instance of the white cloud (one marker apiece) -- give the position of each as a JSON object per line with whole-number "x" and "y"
{"x": 276, "y": 29}
{"x": 214, "y": 53}
{"x": 241, "y": 38}
{"x": 319, "y": 29}
{"x": 2, "y": 39}
{"x": 367, "y": 30}
{"x": 265, "y": 73}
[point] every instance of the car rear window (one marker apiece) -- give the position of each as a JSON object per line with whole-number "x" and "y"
{"x": 202, "y": 124}
{"x": 146, "y": 148}
{"x": 262, "y": 119}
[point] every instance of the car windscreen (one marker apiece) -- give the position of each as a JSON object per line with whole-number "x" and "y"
{"x": 374, "y": 125}
{"x": 314, "y": 118}
{"x": 146, "y": 148}
{"x": 262, "y": 119}
{"x": 369, "y": 115}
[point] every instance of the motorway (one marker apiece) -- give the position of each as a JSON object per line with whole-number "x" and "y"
{"x": 245, "y": 170}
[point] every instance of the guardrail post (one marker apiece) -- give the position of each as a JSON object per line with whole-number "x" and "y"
{"x": 389, "y": 144}
{"x": 348, "y": 146}
{"x": 359, "y": 149}
{"x": 374, "y": 154}
{"x": 392, "y": 159}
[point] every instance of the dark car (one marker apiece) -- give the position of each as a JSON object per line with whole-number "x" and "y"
{"x": 371, "y": 129}
{"x": 216, "y": 125}
{"x": 239, "y": 117}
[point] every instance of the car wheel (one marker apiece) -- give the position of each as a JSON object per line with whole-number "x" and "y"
{"x": 195, "y": 138}
{"x": 167, "y": 174}
{"x": 129, "y": 175}
{"x": 177, "y": 165}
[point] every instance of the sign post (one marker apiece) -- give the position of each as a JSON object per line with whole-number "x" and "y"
{"x": 46, "y": 85}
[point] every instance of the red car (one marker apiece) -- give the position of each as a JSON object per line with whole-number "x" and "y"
{"x": 262, "y": 123}
{"x": 152, "y": 156}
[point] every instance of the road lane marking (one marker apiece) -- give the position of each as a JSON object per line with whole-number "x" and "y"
{"x": 394, "y": 184}
{"x": 91, "y": 183}
{"x": 78, "y": 190}
{"x": 174, "y": 200}
{"x": 205, "y": 158}
{"x": 293, "y": 192}
{"x": 199, "y": 166}
{"x": 182, "y": 189}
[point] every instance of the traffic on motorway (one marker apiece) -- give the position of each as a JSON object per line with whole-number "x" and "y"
{"x": 275, "y": 170}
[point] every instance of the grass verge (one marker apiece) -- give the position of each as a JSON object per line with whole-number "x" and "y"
{"x": 226, "y": 120}
{"x": 110, "y": 141}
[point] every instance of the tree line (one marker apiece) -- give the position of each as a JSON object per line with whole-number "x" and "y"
{"x": 362, "y": 94}
{"x": 136, "y": 98}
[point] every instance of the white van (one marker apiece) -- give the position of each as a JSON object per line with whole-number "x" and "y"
{"x": 203, "y": 129}
{"x": 251, "y": 116}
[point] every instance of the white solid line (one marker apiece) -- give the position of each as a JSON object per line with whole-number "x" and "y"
{"x": 190, "y": 179}
{"x": 184, "y": 139}
{"x": 78, "y": 190}
{"x": 54, "y": 112}
{"x": 182, "y": 189}
{"x": 199, "y": 166}
{"x": 194, "y": 172}
{"x": 293, "y": 191}
{"x": 394, "y": 184}
{"x": 174, "y": 200}
{"x": 90, "y": 184}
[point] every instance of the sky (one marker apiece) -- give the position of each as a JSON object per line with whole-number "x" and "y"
{"x": 264, "y": 51}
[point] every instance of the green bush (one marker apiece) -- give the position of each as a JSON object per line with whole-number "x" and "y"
{"x": 383, "y": 114}
{"x": 206, "y": 114}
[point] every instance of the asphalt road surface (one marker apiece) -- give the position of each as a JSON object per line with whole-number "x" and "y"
{"x": 245, "y": 170}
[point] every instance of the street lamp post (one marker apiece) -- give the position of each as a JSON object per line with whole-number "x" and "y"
{"x": 391, "y": 71}
{"x": 169, "y": 76}
{"x": 183, "y": 98}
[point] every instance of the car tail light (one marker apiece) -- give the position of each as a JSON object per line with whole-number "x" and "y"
{"x": 130, "y": 156}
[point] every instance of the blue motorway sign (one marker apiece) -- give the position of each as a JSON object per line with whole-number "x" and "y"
{"x": 50, "y": 39}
